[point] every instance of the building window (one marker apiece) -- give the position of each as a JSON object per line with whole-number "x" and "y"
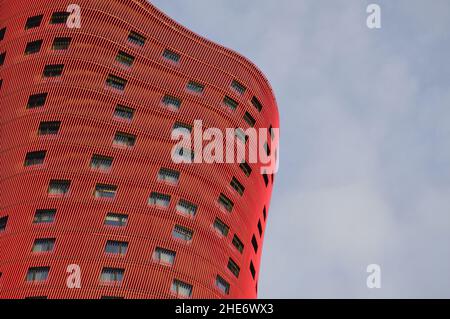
{"x": 36, "y": 100}
{"x": 116, "y": 82}
{"x": 112, "y": 275}
{"x": 232, "y": 104}
{"x": 221, "y": 227}
{"x": 223, "y": 285}
{"x": 105, "y": 191}
{"x": 186, "y": 208}
{"x": 100, "y": 162}
{"x": 123, "y": 112}
{"x": 237, "y": 243}
{"x": 33, "y": 22}
{"x": 271, "y": 132}
{"x": 264, "y": 213}
{"x": 181, "y": 289}
{"x": 136, "y": 38}
{"x": 2, "y": 33}
{"x": 182, "y": 128}
{"x": 266, "y": 179}
{"x": 252, "y": 269}
{"x": 59, "y": 17}
{"x": 164, "y": 256}
{"x": 53, "y": 70}
{"x": 237, "y": 186}
{"x": 169, "y": 176}
{"x": 2, "y": 58}
{"x": 225, "y": 202}
{"x": 172, "y": 56}
{"x": 124, "y": 140}
{"x": 33, "y": 47}
{"x": 3, "y": 223}
{"x": 249, "y": 119}
{"x": 233, "y": 267}
{"x": 35, "y": 274}
{"x": 116, "y": 247}
{"x": 259, "y": 228}
{"x": 61, "y": 43}
{"x": 171, "y": 102}
{"x": 42, "y": 245}
{"x": 240, "y": 134}
{"x": 195, "y": 87}
{"x": 49, "y": 128}
{"x": 35, "y": 158}
{"x": 58, "y": 187}
{"x": 254, "y": 244}
{"x": 245, "y": 168}
{"x": 256, "y": 104}
{"x": 44, "y": 216}
{"x": 159, "y": 200}
{"x": 183, "y": 233}
{"x": 238, "y": 87}
{"x": 125, "y": 58}
{"x": 116, "y": 220}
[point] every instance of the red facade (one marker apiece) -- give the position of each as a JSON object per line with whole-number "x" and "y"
{"x": 87, "y": 177}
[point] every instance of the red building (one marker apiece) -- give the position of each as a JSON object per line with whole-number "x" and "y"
{"x": 87, "y": 177}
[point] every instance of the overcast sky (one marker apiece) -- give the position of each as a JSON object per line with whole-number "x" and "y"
{"x": 365, "y": 140}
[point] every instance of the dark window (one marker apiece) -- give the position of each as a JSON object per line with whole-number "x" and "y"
{"x": 266, "y": 179}
{"x": 43, "y": 245}
{"x": 238, "y": 87}
{"x": 61, "y": 43}
{"x": 59, "y": 17}
{"x": 53, "y": 70}
{"x": 116, "y": 82}
{"x": 264, "y": 213}
{"x": 49, "y": 128}
{"x": 136, "y": 38}
{"x": 125, "y": 58}
{"x": 124, "y": 139}
{"x": 240, "y": 134}
{"x": 186, "y": 155}
{"x": 181, "y": 127}
{"x": 245, "y": 168}
{"x": 237, "y": 186}
{"x": 3, "y": 223}
{"x": 252, "y": 269}
{"x": 225, "y": 202}
{"x": 256, "y": 104}
{"x": 181, "y": 288}
{"x": 259, "y": 227}
{"x": 158, "y": 199}
{"x": 124, "y": 112}
{"x": 221, "y": 227}
{"x": 101, "y": 162}
{"x": 195, "y": 87}
{"x": 112, "y": 275}
{"x": 182, "y": 233}
{"x": 33, "y": 22}
{"x": 223, "y": 285}
{"x": 170, "y": 55}
{"x": 116, "y": 247}
{"x": 33, "y": 47}
{"x": 2, "y": 34}
{"x": 164, "y": 256}
{"x": 37, "y": 273}
{"x": 249, "y": 119}
{"x": 2, "y": 58}
{"x": 116, "y": 220}
{"x": 168, "y": 175}
{"x": 233, "y": 267}
{"x": 35, "y": 158}
{"x": 36, "y": 100}
{"x": 267, "y": 148}
{"x": 238, "y": 244}
{"x": 271, "y": 132}
{"x": 58, "y": 187}
{"x": 105, "y": 191}
{"x": 171, "y": 102}
{"x": 232, "y": 104}
{"x": 44, "y": 216}
{"x": 186, "y": 208}
{"x": 254, "y": 244}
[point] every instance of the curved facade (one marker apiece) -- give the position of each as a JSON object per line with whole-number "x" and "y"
{"x": 88, "y": 185}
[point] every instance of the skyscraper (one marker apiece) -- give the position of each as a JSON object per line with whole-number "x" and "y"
{"x": 91, "y": 202}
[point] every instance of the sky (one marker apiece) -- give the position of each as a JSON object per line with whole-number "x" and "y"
{"x": 364, "y": 172}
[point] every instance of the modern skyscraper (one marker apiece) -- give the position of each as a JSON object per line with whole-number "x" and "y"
{"x": 88, "y": 183}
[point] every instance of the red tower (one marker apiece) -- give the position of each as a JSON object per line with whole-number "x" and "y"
{"x": 89, "y": 191}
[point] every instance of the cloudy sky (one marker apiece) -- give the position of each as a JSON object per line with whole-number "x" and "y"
{"x": 365, "y": 126}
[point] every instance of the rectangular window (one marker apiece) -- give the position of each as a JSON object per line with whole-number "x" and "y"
{"x": 125, "y": 58}
{"x": 245, "y": 168}
{"x": 237, "y": 186}
{"x": 44, "y": 216}
{"x": 264, "y": 213}
{"x": 170, "y": 55}
{"x": 195, "y": 87}
{"x": 49, "y": 128}
{"x": 252, "y": 269}
{"x": 116, "y": 82}
{"x": 136, "y": 38}
{"x": 112, "y": 275}
{"x": 59, "y": 17}
{"x": 33, "y": 47}
{"x": 171, "y": 102}
{"x": 35, "y": 158}
{"x": 182, "y": 233}
{"x": 36, "y": 100}
{"x": 238, "y": 244}
{"x": 116, "y": 220}
{"x": 164, "y": 256}
{"x": 181, "y": 289}
{"x": 3, "y": 223}
{"x": 123, "y": 112}
{"x": 105, "y": 191}
{"x": 61, "y": 43}
{"x": 58, "y": 187}
{"x": 238, "y": 87}
{"x": 53, "y": 70}
{"x": 168, "y": 175}
{"x": 2, "y": 58}
{"x": 124, "y": 139}
{"x": 249, "y": 119}
{"x": 223, "y": 285}
{"x": 232, "y": 104}
{"x": 43, "y": 245}
{"x": 2, "y": 33}
{"x": 100, "y": 162}
{"x": 240, "y": 134}
{"x": 187, "y": 208}
{"x": 233, "y": 267}
{"x": 182, "y": 128}
{"x": 254, "y": 244}
{"x": 159, "y": 200}
{"x": 33, "y": 22}
{"x": 256, "y": 104}
{"x": 116, "y": 247}
{"x": 225, "y": 202}
{"x": 37, "y": 274}
{"x": 259, "y": 228}
{"x": 266, "y": 179}
{"x": 221, "y": 227}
